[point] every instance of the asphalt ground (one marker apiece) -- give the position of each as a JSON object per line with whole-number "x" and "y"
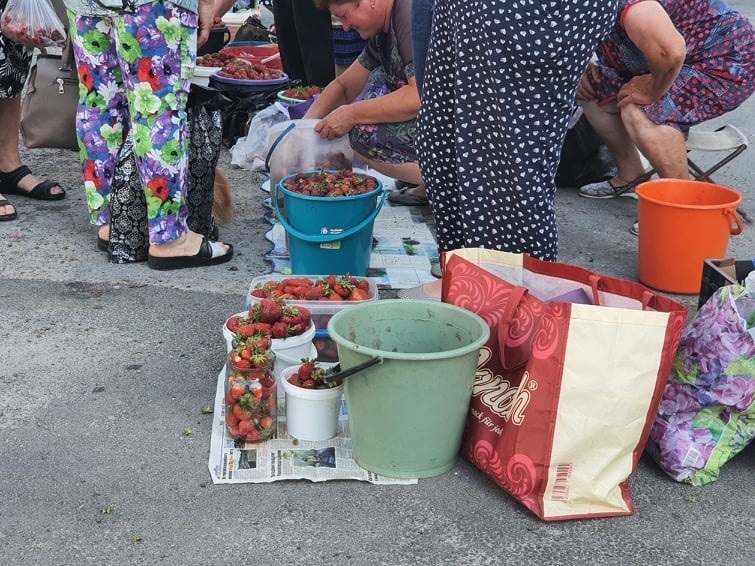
{"x": 104, "y": 367}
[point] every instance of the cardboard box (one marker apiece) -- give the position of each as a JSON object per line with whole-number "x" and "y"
{"x": 720, "y": 272}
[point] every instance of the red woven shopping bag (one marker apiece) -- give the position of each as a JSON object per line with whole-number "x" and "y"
{"x": 564, "y": 393}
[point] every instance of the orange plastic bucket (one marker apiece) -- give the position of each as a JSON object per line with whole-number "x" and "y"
{"x": 683, "y": 223}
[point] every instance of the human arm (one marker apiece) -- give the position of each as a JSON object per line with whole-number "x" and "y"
{"x": 205, "y": 13}
{"x": 222, "y": 6}
{"x": 339, "y": 115}
{"x": 585, "y": 90}
{"x": 650, "y": 28}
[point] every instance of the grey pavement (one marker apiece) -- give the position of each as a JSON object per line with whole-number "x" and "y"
{"x": 103, "y": 367}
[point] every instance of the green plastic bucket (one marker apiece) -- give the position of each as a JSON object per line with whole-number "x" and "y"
{"x": 328, "y": 234}
{"x": 407, "y": 413}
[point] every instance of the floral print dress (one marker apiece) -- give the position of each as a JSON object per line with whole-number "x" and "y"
{"x": 134, "y": 79}
{"x": 718, "y": 72}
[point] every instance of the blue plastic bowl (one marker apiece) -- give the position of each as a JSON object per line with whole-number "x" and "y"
{"x": 241, "y": 85}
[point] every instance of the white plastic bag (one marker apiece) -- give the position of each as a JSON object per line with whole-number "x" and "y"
{"x": 250, "y": 152}
{"x": 32, "y": 23}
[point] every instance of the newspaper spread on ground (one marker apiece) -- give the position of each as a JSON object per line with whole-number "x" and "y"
{"x": 282, "y": 457}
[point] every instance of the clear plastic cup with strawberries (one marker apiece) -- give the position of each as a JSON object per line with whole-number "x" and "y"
{"x": 251, "y": 399}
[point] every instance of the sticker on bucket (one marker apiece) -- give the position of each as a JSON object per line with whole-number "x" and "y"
{"x": 329, "y": 232}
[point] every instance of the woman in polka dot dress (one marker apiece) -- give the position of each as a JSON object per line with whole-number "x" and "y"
{"x": 666, "y": 66}
{"x": 499, "y": 90}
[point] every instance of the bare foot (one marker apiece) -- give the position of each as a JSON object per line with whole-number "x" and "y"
{"x": 6, "y": 209}
{"x": 104, "y": 232}
{"x": 186, "y": 245}
{"x": 433, "y": 288}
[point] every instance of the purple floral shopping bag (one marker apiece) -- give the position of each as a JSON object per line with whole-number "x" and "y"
{"x": 707, "y": 413}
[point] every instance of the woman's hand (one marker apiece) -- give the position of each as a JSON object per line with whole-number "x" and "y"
{"x": 336, "y": 124}
{"x": 637, "y": 91}
{"x": 585, "y": 91}
{"x": 205, "y": 13}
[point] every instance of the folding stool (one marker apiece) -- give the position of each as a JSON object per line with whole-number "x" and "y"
{"x": 727, "y": 139}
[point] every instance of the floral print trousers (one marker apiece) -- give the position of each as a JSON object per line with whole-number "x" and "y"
{"x": 134, "y": 79}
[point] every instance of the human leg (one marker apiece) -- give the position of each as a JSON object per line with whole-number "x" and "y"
{"x": 14, "y": 178}
{"x": 288, "y": 40}
{"x": 422, "y": 19}
{"x": 101, "y": 121}
{"x": 406, "y": 172}
{"x": 609, "y": 126}
{"x": 663, "y": 145}
{"x": 314, "y": 31}
{"x": 157, "y": 81}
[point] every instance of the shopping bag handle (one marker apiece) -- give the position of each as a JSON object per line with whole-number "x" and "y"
{"x": 647, "y": 299}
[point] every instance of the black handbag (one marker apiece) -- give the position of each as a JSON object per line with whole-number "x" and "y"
{"x": 117, "y": 6}
{"x": 254, "y": 30}
{"x": 48, "y": 110}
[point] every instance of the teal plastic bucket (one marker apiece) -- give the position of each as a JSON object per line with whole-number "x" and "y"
{"x": 328, "y": 234}
{"x": 407, "y": 413}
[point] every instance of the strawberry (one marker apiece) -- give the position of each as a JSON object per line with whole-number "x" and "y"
{"x": 264, "y": 328}
{"x": 315, "y": 293}
{"x": 358, "y": 294}
{"x": 280, "y": 330}
{"x": 268, "y": 310}
{"x": 260, "y": 359}
{"x": 297, "y": 329}
{"x": 233, "y": 323}
{"x": 247, "y": 330}
{"x": 305, "y": 371}
{"x": 260, "y": 341}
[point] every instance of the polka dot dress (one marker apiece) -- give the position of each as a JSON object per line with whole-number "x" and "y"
{"x": 501, "y": 77}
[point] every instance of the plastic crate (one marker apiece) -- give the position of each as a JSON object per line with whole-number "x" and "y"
{"x": 321, "y": 310}
{"x": 720, "y": 272}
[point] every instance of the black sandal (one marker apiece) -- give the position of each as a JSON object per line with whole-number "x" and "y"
{"x": 209, "y": 253}
{"x": 13, "y": 215}
{"x": 42, "y": 191}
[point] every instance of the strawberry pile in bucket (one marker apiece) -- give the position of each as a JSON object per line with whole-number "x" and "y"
{"x": 330, "y": 184}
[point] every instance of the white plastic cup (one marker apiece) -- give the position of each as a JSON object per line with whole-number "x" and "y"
{"x": 296, "y": 347}
{"x": 311, "y": 414}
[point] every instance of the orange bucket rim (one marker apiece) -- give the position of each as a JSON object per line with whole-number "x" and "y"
{"x": 734, "y": 204}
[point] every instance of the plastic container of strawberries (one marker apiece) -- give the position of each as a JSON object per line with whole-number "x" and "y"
{"x": 321, "y": 310}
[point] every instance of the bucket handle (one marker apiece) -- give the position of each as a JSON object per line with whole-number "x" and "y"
{"x": 335, "y": 373}
{"x": 279, "y": 139}
{"x": 734, "y": 218}
{"x": 325, "y": 238}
